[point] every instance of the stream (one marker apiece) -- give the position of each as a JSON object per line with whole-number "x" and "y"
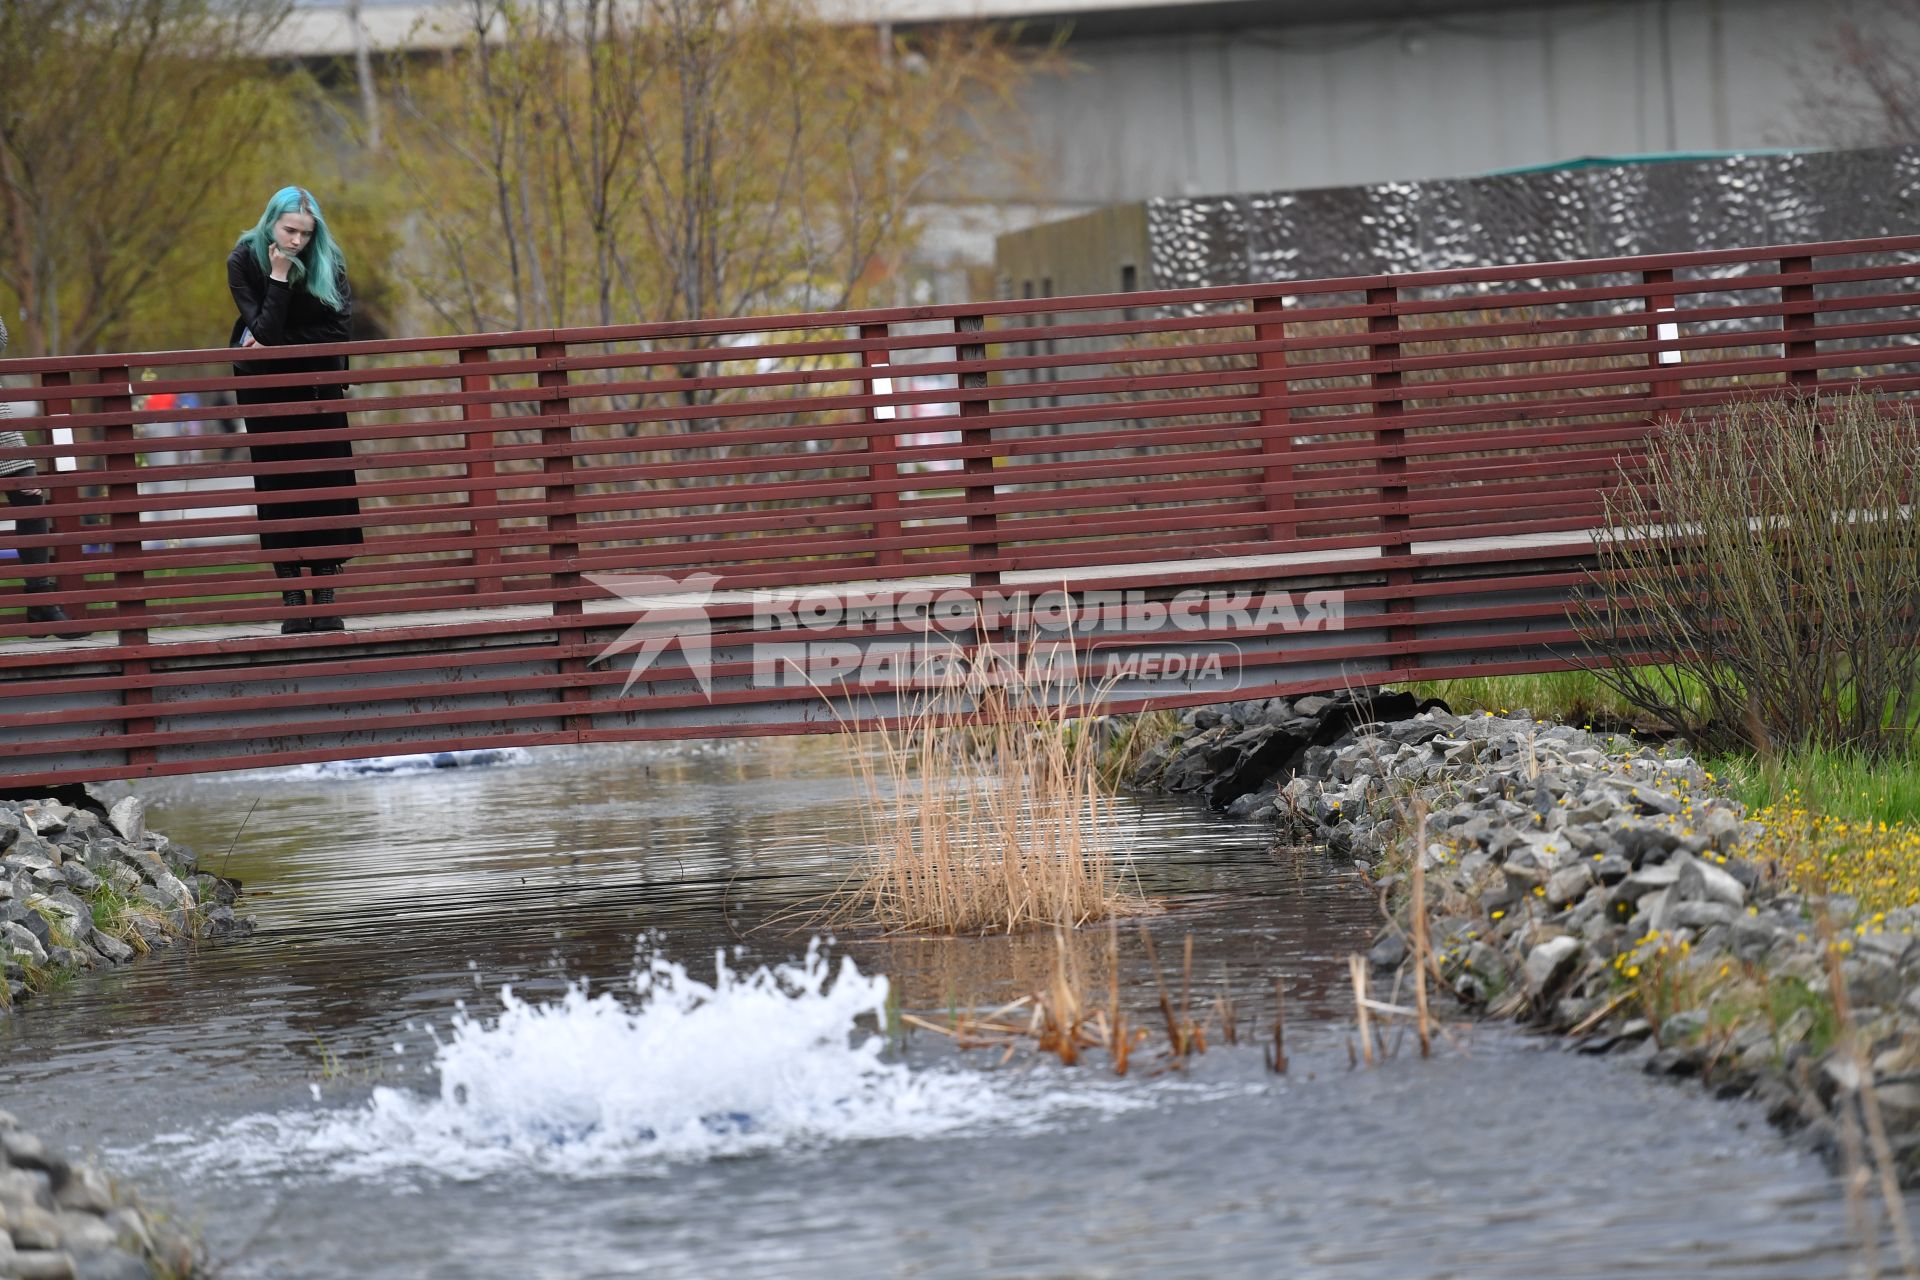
{"x": 583, "y": 1012}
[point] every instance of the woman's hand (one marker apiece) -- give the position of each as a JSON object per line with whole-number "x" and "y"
{"x": 278, "y": 262}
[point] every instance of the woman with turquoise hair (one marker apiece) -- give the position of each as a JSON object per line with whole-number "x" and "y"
{"x": 289, "y": 282}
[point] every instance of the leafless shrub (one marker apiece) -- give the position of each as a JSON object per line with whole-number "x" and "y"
{"x": 1756, "y": 583}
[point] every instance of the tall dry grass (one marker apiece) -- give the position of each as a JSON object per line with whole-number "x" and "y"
{"x": 985, "y": 812}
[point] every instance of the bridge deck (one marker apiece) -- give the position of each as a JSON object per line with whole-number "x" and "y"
{"x": 1436, "y": 451}
{"x": 1277, "y": 568}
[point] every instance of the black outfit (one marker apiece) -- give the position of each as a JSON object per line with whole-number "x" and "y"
{"x": 29, "y": 526}
{"x": 32, "y": 526}
{"x": 280, "y": 315}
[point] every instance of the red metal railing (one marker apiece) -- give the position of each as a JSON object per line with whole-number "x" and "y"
{"x": 1451, "y": 427}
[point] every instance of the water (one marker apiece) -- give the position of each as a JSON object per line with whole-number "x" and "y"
{"x": 564, "y": 1016}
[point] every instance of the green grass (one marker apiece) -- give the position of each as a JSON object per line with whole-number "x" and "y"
{"x": 1571, "y": 697}
{"x": 1839, "y": 784}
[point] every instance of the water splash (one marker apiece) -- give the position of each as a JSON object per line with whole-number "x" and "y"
{"x": 683, "y": 1070}
{"x": 425, "y": 762}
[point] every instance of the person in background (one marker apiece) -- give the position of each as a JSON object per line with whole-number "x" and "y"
{"x": 289, "y": 283}
{"x": 12, "y": 464}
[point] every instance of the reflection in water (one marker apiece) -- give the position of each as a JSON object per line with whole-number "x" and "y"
{"x": 385, "y": 904}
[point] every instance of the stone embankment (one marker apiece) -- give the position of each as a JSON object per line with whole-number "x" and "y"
{"x": 1587, "y": 883}
{"x": 64, "y": 1220}
{"x": 84, "y": 887}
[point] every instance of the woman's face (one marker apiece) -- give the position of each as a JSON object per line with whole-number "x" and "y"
{"x": 293, "y": 232}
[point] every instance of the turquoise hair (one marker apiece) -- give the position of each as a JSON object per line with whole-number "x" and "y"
{"x": 320, "y": 263}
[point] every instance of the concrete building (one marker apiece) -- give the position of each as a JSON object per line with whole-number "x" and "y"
{"x": 1184, "y": 97}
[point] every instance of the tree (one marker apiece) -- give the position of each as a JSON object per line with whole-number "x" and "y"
{"x": 1863, "y": 87}
{"x": 610, "y": 161}
{"x": 135, "y": 136}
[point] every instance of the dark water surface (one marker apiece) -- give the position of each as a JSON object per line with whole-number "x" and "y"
{"x": 285, "y": 1092}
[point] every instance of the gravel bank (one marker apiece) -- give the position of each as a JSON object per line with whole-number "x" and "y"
{"x": 64, "y": 1220}
{"x": 84, "y": 886}
{"x": 1589, "y": 884}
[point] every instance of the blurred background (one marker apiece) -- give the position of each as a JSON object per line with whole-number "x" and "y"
{"x": 504, "y": 165}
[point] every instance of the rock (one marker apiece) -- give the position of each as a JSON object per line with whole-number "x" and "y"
{"x": 222, "y": 923}
{"x": 150, "y": 866}
{"x": 1753, "y": 937}
{"x": 1870, "y": 980}
{"x": 110, "y": 947}
{"x": 1649, "y": 801}
{"x": 77, "y": 875}
{"x": 25, "y": 1186}
{"x": 1894, "y": 947}
{"x": 85, "y": 1233}
{"x": 1548, "y": 964}
{"x": 1259, "y": 755}
{"x": 1612, "y": 868}
{"x": 175, "y": 889}
{"x": 1699, "y": 915}
{"x": 1899, "y": 1103}
{"x": 1569, "y": 884}
{"x": 47, "y": 819}
{"x": 1699, "y": 881}
{"x": 77, "y": 917}
{"x": 85, "y": 1191}
{"x": 33, "y": 1227}
{"x": 129, "y": 817}
{"x": 1673, "y": 1062}
{"x": 22, "y": 939}
{"x": 1250, "y": 805}
{"x": 1683, "y": 1026}
{"x": 1623, "y": 897}
{"x": 1389, "y": 953}
{"x": 1198, "y": 764}
{"x": 166, "y": 905}
{"x": 40, "y": 1264}
{"x": 24, "y": 1151}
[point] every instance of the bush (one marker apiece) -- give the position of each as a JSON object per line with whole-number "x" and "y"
{"x": 1768, "y": 563}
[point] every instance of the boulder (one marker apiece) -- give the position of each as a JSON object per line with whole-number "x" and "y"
{"x": 1569, "y": 884}
{"x": 1259, "y": 755}
{"x": 1548, "y": 964}
{"x": 1700, "y": 881}
{"x": 129, "y": 817}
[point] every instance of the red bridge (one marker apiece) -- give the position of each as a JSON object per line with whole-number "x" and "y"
{"x": 1421, "y": 462}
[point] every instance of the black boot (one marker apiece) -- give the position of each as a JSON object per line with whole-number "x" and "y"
{"x": 49, "y": 612}
{"x": 324, "y": 595}
{"x": 295, "y": 599}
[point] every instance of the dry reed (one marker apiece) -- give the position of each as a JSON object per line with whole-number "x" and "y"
{"x": 985, "y": 811}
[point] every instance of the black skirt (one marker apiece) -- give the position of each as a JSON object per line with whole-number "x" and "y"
{"x": 295, "y": 519}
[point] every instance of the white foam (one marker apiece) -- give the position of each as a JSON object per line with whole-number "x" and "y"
{"x": 403, "y": 764}
{"x": 683, "y": 1070}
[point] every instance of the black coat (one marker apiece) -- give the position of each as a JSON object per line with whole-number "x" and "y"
{"x": 282, "y": 315}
